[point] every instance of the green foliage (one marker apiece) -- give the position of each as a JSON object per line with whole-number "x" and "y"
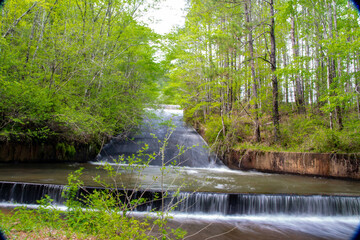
{"x": 66, "y": 150}
{"x": 300, "y": 133}
{"x": 78, "y": 71}
{"x": 211, "y": 72}
{"x": 327, "y": 140}
{"x": 236, "y": 131}
{"x": 298, "y": 128}
{"x": 311, "y": 134}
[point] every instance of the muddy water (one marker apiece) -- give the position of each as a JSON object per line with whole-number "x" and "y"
{"x": 270, "y": 200}
{"x": 220, "y": 180}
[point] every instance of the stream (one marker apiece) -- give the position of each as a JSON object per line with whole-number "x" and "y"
{"x": 214, "y": 202}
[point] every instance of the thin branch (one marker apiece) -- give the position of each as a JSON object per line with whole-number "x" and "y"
{"x": 267, "y": 2}
{"x": 18, "y": 20}
{"x": 265, "y": 60}
{"x": 221, "y": 234}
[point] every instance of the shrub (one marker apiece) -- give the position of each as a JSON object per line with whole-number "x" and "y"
{"x": 237, "y": 130}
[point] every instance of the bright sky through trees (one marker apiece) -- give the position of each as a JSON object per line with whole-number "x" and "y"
{"x": 169, "y": 14}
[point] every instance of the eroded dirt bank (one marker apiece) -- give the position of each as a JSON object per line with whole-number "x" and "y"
{"x": 317, "y": 164}
{"x": 32, "y": 152}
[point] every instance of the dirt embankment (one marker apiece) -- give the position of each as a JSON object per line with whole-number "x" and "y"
{"x": 32, "y": 152}
{"x": 316, "y": 164}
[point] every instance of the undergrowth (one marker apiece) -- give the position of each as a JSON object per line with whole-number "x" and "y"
{"x": 299, "y": 133}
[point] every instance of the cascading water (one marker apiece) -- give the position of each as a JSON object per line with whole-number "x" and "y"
{"x": 30, "y": 193}
{"x": 225, "y": 204}
{"x": 235, "y": 204}
{"x": 158, "y": 127}
{"x": 261, "y": 204}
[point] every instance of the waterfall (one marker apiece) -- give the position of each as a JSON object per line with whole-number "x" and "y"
{"x": 157, "y": 128}
{"x": 226, "y": 204}
{"x": 30, "y": 193}
{"x": 261, "y": 204}
{"x": 256, "y": 204}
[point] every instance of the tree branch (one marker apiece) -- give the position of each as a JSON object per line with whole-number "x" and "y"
{"x": 18, "y": 20}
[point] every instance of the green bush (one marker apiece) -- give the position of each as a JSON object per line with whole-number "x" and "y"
{"x": 312, "y": 134}
{"x": 308, "y": 133}
{"x": 237, "y": 130}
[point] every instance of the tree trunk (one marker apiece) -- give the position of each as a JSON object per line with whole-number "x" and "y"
{"x": 299, "y": 95}
{"x": 338, "y": 85}
{"x": 31, "y": 38}
{"x": 330, "y": 67}
{"x": 247, "y": 6}
{"x": 357, "y": 87}
{"x": 286, "y": 78}
{"x": 276, "y": 116}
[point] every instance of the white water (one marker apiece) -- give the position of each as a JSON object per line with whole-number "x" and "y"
{"x": 165, "y": 124}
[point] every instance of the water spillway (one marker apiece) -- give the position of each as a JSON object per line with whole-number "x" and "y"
{"x": 229, "y": 215}
{"x": 268, "y": 204}
{"x": 164, "y": 123}
{"x": 213, "y": 202}
{"x": 30, "y": 193}
{"x": 225, "y": 204}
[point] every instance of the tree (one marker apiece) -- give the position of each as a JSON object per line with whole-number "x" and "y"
{"x": 252, "y": 60}
{"x": 83, "y": 69}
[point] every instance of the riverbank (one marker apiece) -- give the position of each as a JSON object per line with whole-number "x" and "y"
{"x": 48, "y": 152}
{"x": 334, "y": 165}
{"x": 306, "y": 146}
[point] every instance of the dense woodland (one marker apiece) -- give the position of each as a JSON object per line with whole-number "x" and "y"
{"x": 270, "y": 73}
{"x": 250, "y": 74}
{"x": 74, "y": 70}
{"x": 261, "y": 74}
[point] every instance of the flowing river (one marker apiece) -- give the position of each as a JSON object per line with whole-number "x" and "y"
{"x": 214, "y": 201}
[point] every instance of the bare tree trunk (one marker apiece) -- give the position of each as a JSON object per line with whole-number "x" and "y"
{"x": 330, "y": 66}
{"x": 31, "y": 38}
{"x": 318, "y": 78}
{"x": 338, "y": 108}
{"x": 329, "y": 84}
{"x": 286, "y": 78}
{"x": 43, "y": 23}
{"x": 299, "y": 99}
{"x": 309, "y": 82}
{"x": 319, "y": 66}
{"x": 357, "y": 87}
{"x": 208, "y": 95}
{"x": 247, "y": 6}
{"x": 276, "y": 115}
{"x": 44, "y": 20}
